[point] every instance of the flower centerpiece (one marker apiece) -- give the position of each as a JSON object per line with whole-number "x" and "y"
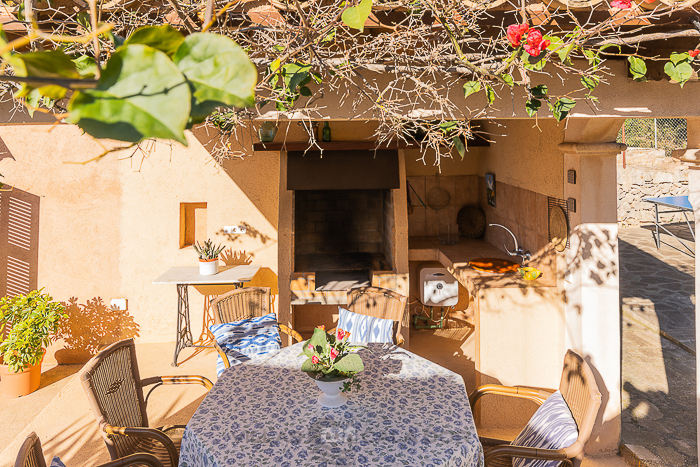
{"x": 332, "y": 364}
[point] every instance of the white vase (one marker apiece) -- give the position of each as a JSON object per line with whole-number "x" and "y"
{"x": 208, "y": 267}
{"x": 331, "y": 397}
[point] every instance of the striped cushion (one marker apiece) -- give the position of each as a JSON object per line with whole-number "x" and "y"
{"x": 364, "y": 328}
{"x": 57, "y": 462}
{"x": 551, "y": 427}
{"x": 246, "y": 338}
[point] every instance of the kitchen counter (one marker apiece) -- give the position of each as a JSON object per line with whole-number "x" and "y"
{"x": 456, "y": 259}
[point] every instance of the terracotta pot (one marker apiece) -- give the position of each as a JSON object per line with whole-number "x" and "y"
{"x": 20, "y": 384}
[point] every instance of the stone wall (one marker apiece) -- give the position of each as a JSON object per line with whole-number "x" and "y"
{"x": 648, "y": 173}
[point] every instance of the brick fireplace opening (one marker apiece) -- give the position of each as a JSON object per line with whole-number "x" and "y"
{"x": 343, "y": 235}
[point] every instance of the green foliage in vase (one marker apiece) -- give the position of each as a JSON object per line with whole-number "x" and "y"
{"x": 30, "y": 322}
{"x": 331, "y": 356}
{"x": 208, "y": 250}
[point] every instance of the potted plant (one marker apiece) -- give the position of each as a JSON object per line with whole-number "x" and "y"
{"x": 27, "y": 325}
{"x": 208, "y": 257}
{"x": 333, "y": 364}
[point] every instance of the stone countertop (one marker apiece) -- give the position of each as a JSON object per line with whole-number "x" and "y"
{"x": 456, "y": 259}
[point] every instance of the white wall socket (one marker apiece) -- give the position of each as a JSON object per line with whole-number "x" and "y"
{"x": 118, "y": 304}
{"x": 234, "y": 229}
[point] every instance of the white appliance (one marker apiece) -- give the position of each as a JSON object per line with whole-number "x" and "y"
{"x": 438, "y": 287}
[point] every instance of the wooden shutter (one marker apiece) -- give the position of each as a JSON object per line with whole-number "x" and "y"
{"x": 19, "y": 241}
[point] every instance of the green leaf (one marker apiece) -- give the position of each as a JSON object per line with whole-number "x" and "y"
{"x": 540, "y": 91}
{"x": 295, "y": 74}
{"x": 459, "y": 145}
{"x": 529, "y": 64}
{"x": 508, "y": 79}
{"x": 351, "y": 363}
{"x": 532, "y": 106}
{"x": 680, "y": 72}
{"x": 355, "y": 16}
{"x": 86, "y": 66}
{"x": 49, "y": 64}
{"x": 470, "y": 87}
{"x": 593, "y": 58}
{"x": 678, "y": 58}
{"x": 561, "y": 108}
{"x": 304, "y": 91}
{"x": 3, "y": 42}
{"x": 219, "y": 72}
{"x": 619, "y": 49}
{"x": 141, "y": 94}
{"x": 32, "y": 101}
{"x": 318, "y": 340}
{"x": 446, "y": 127}
{"x": 83, "y": 19}
{"x": 490, "y": 95}
{"x": 638, "y": 68}
{"x": 310, "y": 367}
{"x": 590, "y": 81}
{"x": 164, "y": 38}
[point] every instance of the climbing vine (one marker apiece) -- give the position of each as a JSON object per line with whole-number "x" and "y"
{"x": 130, "y": 71}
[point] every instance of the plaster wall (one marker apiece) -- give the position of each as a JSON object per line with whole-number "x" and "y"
{"x": 108, "y": 228}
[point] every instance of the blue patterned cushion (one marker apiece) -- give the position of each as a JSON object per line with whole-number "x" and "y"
{"x": 551, "y": 427}
{"x": 57, "y": 462}
{"x": 246, "y": 338}
{"x": 364, "y": 328}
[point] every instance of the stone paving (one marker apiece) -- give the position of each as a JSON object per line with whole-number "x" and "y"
{"x": 657, "y": 298}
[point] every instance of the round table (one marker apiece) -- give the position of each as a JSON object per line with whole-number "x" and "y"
{"x": 409, "y": 411}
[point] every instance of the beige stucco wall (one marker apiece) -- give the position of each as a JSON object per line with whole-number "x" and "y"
{"x": 109, "y": 228}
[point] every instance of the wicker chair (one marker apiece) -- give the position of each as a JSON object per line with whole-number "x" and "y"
{"x": 31, "y": 455}
{"x": 580, "y": 391}
{"x": 249, "y": 302}
{"x": 115, "y": 390}
{"x": 380, "y": 303}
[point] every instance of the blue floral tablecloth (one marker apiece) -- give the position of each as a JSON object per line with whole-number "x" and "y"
{"x": 409, "y": 411}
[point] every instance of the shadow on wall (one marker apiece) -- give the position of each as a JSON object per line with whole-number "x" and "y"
{"x": 91, "y": 326}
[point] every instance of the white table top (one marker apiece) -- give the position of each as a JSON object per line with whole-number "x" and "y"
{"x": 409, "y": 411}
{"x": 227, "y": 275}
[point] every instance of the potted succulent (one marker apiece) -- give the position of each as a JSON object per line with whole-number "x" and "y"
{"x": 208, "y": 257}
{"x": 27, "y": 325}
{"x": 333, "y": 364}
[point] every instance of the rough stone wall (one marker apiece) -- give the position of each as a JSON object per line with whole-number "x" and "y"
{"x": 648, "y": 174}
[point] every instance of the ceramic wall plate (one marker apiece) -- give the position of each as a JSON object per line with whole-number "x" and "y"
{"x": 558, "y": 227}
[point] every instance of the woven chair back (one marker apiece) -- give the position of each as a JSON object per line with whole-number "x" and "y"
{"x": 113, "y": 385}
{"x": 379, "y": 303}
{"x": 580, "y": 391}
{"x": 239, "y": 304}
{"x": 31, "y": 454}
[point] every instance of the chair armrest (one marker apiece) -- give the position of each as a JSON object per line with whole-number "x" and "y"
{"x": 222, "y": 354}
{"x": 290, "y": 332}
{"x": 508, "y": 450}
{"x": 178, "y": 379}
{"x": 135, "y": 459}
{"x": 399, "y": 340}
{"x": 536, "y": 395}
{"x": 142, "y": 432}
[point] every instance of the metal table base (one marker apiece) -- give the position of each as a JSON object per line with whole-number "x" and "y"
{"x": 676, "y": 204}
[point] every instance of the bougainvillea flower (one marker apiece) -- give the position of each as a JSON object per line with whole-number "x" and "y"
{"x": 534, "y": 38}
{"x": 694, "y": 53}
{"x": 514, "y": 35}
{"x": 334, "y": 353}
{"x": 314, "y": 360}
{"x": 340, "y": 334}
{"x": 621, "y": 4}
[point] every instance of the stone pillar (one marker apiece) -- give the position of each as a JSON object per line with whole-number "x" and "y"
{"x": 592, "y": 269}
{"x": 691, "y": 157}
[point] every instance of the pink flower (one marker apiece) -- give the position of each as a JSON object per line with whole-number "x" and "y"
{"x": 347, "y": 334}
{"x": 311, "y": 347}
{"x": 544, "y": 44}
{"x": 621, "y": 4}
{"x": 321, "y": 327}
{"x": 334, "y": 353}
{"x": 314, "y": 360}
{"x": 532, "y": 50}
{"x": 694, "y": 53}
{"x": 340, "y": 334}
{"x": 534, "y": 38}
{"x": 515, "y": 33}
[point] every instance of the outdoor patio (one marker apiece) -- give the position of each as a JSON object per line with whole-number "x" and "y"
{"x": 60, "y": 414}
